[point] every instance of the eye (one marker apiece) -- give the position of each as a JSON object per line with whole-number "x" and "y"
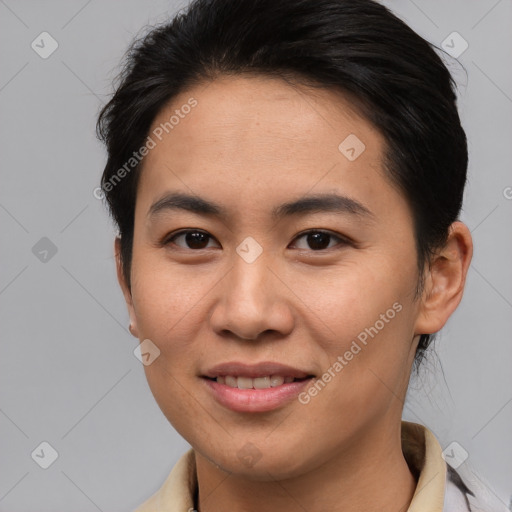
{"x": 193, "y": 239}
{"x": 318, "y": 240}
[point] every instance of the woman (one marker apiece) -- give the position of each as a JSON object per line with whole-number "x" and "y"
{"x": 287, "y": 178}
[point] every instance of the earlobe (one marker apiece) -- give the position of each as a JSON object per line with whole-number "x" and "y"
{"x": 125, "y": 288}
{"x": 445, "y": 280}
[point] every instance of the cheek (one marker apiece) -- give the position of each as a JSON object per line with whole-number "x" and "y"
{"x": 167, "y": 296}
{"x": 168, "y": 308}
{"x": 169, "y": 305}
{"x": 366, "y": 316}
{"x": 345, "y": 300}
{"x": 366, "y": 372}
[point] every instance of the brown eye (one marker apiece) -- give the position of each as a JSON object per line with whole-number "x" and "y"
{"x": 193, "y": 239}
{"x": 319, "y": 240}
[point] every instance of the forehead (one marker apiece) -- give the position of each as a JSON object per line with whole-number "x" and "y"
{"x": 252, "y": 136}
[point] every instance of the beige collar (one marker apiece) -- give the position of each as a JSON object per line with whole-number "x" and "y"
{"x": 421, "y": 451}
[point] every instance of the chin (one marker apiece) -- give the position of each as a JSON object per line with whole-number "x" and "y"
{"x": 259, "y": 464}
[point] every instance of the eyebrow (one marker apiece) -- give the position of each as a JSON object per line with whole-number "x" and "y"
{"x": 316, "y": 203}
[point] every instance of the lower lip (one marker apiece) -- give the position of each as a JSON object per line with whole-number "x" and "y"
{"x": 255, "y": 400}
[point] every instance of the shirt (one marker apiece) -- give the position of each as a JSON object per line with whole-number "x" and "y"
{"x": 439, "y": 488}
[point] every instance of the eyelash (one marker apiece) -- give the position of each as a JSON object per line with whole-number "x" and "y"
{"x": 343, "y": 241}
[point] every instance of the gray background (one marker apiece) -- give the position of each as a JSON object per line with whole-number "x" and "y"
{"x": 68, "y": 375}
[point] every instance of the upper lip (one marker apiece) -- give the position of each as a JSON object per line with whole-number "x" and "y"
{"x": 237, "y": 369}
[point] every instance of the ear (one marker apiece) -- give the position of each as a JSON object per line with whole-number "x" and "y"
{"x": 445, "y": 280}
{"x": 125, "y": 288}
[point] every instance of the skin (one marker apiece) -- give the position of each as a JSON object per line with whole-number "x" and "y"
{"x": 250, "y": 144}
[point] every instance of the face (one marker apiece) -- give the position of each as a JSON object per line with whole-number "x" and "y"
{"x": 299, "y": 253}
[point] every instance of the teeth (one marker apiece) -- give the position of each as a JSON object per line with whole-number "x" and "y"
{"x": 244, "y": 383}
{"x": 261, "y": 382}
{"x": 257, "y": 383}
{"x": 232, "y": 382}
{"x": 276, "y": 380}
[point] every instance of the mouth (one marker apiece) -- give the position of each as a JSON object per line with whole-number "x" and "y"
{"x": 264, "y": 382}
{"x": 256, "y": 371}
{"x": 255, "y": 388}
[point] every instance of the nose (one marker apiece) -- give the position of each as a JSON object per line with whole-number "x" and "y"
{"x": 252, "y": 300}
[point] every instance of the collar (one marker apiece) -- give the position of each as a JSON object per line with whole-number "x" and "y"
{"x": 420, "y": 448}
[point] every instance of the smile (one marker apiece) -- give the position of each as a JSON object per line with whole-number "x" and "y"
{"x": 242, "y": 398}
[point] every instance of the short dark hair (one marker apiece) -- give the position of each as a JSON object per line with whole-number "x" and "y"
{"x": 358, "y": 47}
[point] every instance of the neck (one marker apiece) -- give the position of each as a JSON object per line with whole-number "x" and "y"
{"x": 371, "y": 475}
